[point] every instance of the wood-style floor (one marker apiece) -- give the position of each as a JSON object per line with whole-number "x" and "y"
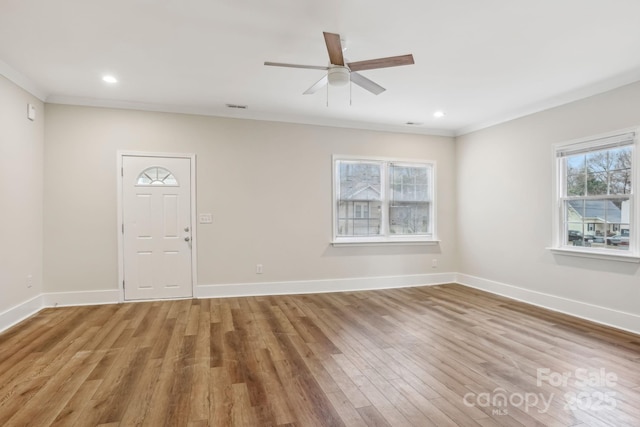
{"x": 429, "y": 356}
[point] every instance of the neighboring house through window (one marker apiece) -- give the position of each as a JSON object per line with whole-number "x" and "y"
{"x": 381, "y": 200}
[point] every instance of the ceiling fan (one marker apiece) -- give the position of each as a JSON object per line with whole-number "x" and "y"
{"x": 340, "y": 72}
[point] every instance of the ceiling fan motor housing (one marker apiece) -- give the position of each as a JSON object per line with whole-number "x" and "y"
{"x": 338, "y": 75}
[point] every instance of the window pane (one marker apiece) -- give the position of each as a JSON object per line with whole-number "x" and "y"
{"x": 156, "y": 176}
{"x": 358, "y": 218}
{"x": 359, "y": 181}
{"x": 618, "y": 224}
{"x": 576, "y": 175}
{"x": 598, "y": 161}
{"x": 409, "y": 218}
{"x": 359, "y": 205}
{"x": 597, "y": 183}
{"x": 609, "y": 171}
{"x": 574, "y": 234}
{"x": 576, "y": 163}
{"x": 620, "y": 176}
{"x": 620, "y": 182}
{"x": 597, "y": 223}
{"x": 576, "y": 184}
{"x": 409, "y": 183}
{"x": 619, "y": 240}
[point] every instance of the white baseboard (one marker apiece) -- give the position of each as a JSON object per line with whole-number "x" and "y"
{"x": 67, "y": 299}
{"x": 606, "y": 316}
{"x": 321, "y": 286}
{"x": 20, "y": 312}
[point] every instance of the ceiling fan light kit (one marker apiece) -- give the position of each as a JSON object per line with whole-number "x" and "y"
{"x": 338, "y": 76}
{"x": 340, "y": 73}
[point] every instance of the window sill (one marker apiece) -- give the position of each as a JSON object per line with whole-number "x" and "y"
{"x": 339, "y": 243}
{"x": 609, "y": 256}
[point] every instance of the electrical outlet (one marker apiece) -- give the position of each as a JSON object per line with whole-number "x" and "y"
{"x": 434, "y": 263}
{"x": 29, "y": 281}
{"x": 258, "y": 268}
{"x": 205, "y": 218}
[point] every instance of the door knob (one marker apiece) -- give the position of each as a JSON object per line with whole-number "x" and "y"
{"x": 186, "y": 239}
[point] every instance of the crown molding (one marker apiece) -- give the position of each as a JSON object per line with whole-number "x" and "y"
{"x": 620, "y": 80}
{"x": 22, "y": 81}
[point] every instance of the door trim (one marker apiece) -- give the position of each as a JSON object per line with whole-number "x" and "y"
{"x": 194, "y": 225}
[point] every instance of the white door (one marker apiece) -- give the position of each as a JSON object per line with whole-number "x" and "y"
{"x": 156, "y": 212}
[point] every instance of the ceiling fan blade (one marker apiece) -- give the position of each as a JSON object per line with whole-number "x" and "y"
{"x": 367, "y": 84}
{"x": 334, "y": 47}
{"x": 281, "y": 64}
{"x": 392, "y": 61}
{"x": 317, "y": 86}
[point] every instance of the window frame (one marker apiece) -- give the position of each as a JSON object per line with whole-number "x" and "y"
{"x": 385, "y": 237}
{"x": 592, "y": 144}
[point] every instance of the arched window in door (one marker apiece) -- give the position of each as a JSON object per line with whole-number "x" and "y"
{"x": 156, "y": 175}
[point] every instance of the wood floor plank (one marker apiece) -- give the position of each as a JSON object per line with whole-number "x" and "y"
{"x": 346, "y": 384}
{"x": 242, "y": 412}
{"x": 200, "y": 393}
{"x": 372, "y": 417}
{"x": 138, "y": 407}
{"x": 71, "y": 414}
{"x": 42, "y": 409}
{"x": 348, "y": 413}
{"x": 18, "y": 395}
{"x": 179, "y": 402}
{"x": 416, "y": 356}
{"x": 221, "y": 398}
{"x": 277, "y": 400}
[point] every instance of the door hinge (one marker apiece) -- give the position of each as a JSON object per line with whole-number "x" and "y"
{"x": 123, "y": 228}
{"x": 123, "y": 284}
{"x": 122, "y": 171}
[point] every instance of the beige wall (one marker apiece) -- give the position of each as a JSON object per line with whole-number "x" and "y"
{"x": 268, "y": 186}
{"x": 505, "y": 207}
{"x": 21, "y": 148}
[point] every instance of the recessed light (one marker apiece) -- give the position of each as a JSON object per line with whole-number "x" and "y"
{"x": 109, "y": 79}
{"x": 438, "y": 114}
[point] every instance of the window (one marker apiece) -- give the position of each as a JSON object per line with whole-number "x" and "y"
{"x": 595, "y": 195}
{"x": 382, "y": 201}
{"x": 156, "y": 176}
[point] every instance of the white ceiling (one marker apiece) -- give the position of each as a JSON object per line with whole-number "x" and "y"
{"x": 482, "y": 62}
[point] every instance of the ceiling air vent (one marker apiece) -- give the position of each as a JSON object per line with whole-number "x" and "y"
{"x": 237, "y": 106}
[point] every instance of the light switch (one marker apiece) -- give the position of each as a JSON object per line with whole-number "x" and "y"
{"x": 31, "y": 112}
{"x": 205, "y": 218}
